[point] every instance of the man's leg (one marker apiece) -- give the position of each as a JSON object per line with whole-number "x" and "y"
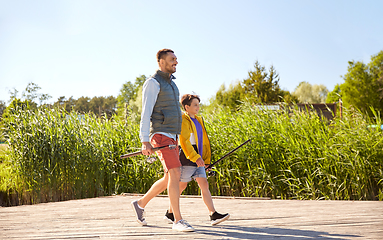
{"x": 171, "y": 163}
{"x": 169, "y": 213}
{"x": 158, "y": 187}
{"x": 182, "y": 187}
{"x": 139, "y": 205}
{"x": 174, "y": 192}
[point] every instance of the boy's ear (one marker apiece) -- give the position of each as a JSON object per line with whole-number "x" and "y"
{"x": 187, "y": 107}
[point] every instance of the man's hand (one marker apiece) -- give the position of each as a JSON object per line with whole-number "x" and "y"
{"x": 200, "y": 162}
{"x": 146, "y": 148}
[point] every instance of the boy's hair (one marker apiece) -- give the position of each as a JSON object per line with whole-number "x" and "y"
{"x": 162, "y": 53}
{"x": 187, "y": 99}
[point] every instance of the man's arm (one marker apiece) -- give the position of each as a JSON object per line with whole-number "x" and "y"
{"x": 150, "y": 91}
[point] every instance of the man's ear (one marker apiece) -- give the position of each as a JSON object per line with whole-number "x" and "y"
{"x": 161, "y": 62}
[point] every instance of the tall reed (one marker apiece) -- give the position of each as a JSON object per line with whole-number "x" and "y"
{"x": 297, "y": 155}
{"x": 62, "y": 156}
{"x": 54, "y": 155}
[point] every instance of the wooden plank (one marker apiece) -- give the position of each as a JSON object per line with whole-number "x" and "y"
{"x": 113, "y": 218}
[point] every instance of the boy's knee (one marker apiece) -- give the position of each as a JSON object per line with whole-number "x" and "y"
{"x": 202, "y": 183}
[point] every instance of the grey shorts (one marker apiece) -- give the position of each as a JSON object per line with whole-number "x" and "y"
{"x": 190, "y": 172}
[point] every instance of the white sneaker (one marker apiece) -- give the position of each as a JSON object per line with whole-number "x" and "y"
{"x": 183, "y": 226}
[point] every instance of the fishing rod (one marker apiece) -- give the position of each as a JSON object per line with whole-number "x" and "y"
{"x": 153, "y": 149}
{"x": 212, "y": 173}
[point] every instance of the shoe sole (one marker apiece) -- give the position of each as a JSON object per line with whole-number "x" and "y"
{"x": 183, "y": 230}
{"x": 135, "y": 212}
{"x": 220, "y": 220}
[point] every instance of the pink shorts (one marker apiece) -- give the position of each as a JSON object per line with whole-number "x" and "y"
{"x": 169, "y": 157}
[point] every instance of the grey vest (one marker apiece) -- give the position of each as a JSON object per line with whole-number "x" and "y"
{"x": 167, "y": 115}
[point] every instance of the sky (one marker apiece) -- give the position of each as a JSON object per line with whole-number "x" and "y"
{"x": 91, "y": 48}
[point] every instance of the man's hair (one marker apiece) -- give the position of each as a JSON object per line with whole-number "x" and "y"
{"x": 162, "y": 53}
{"x": 187, "y": 99}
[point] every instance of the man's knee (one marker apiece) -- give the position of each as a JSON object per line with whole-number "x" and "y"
{"x": 175, "y": 173}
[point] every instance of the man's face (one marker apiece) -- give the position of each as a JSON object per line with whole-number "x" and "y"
{"x": 169, "y": 64}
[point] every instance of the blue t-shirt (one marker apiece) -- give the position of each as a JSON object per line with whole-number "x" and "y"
{"x": 199, "y": 135}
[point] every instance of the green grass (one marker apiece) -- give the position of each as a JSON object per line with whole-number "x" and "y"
{"x": 295, "y": 155}
{"x": 56, "y": 156}
{"x": 5, "y": 168}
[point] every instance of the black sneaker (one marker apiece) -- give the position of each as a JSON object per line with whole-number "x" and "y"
{"x": 169, "y": 217}
{"x": 218, "y": 218}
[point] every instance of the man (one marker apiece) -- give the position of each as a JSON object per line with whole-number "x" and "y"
{"x": 160, "y": 125}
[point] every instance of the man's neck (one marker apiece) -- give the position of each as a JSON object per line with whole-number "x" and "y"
{"x": 166, "y": 76}
{"x": 164, "y": 71}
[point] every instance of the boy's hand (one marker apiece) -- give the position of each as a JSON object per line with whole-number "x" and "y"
{"x": 206, "y": 166}
{"x": 200, "y": 162}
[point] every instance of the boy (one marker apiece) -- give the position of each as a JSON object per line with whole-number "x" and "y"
{"x": 195, "y": 153}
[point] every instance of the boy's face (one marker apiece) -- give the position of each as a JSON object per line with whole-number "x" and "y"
{"x": 193, "y": 108}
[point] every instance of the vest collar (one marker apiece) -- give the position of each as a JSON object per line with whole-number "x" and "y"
{"x": 168, "y": 77}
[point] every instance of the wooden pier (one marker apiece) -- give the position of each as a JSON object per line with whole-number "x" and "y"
{"x": 113, "y": 218}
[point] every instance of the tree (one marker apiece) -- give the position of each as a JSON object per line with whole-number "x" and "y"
{"x": 67, "y": 104}
{"x": 102, "y": 105}
{"x": 129, "y": 93}
{"x": 334, "y": 95}
{"x": 307, "y": 93}
{"x": 363, "y": 86}
{"x": 263, "y": 87}
{"x": 31, "y": 93}
{"x": 97, "y": 105}
{"x": 231, "y": 97}
{"x": 260, "y": 87}
{"x": 82, "y": 105}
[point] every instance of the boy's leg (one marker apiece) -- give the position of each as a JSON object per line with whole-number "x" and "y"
{"x": 205, "y": 192}
{"x": 183, "y": 186}
{"x": 215, "y": 217}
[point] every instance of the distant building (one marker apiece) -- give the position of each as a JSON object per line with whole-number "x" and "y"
{"x": 328, "y": 110}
